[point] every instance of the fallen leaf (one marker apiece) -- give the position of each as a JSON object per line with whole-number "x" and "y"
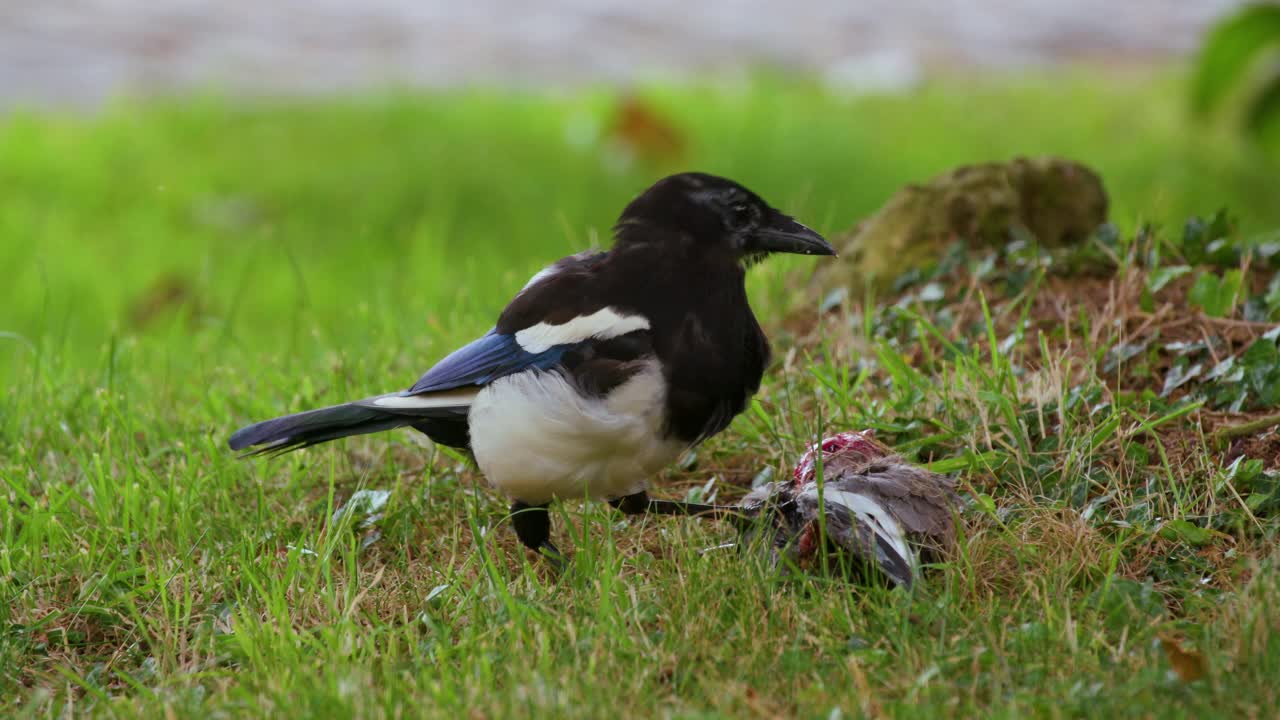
{"x": 1122, "y": 353}
{"x": 1178, "y": 376}
{"x": 1188, "y": 665}
{"x": 167, "y": 292}
{"x": 644, "y": 133}
{"x": 366, "y": 505}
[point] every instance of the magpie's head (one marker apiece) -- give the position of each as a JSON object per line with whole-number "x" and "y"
{"x": 712, "y": 215}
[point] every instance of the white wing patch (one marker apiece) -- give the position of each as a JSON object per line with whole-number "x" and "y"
{"x": 603, "y": 324}
{"x": 870, "y": 512}
{"x": 461, "y": 397}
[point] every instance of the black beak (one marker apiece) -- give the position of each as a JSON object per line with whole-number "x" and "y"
{"x": 785, "y": 235}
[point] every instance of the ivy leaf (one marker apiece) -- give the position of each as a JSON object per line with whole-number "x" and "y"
{"x": 1224, "y": 370}
{"x": 1256, "y": 310}
{"x": 1186, "y": 348}
{"x": 1187, "y": 532}
{"x": 1261, "y": 362}
{"x": 1244, "y": 472}
{"x": 1272, "y": 298}
{"x": 1178, "y": 376}
{"x": 1122, "y": 353}
{"x": 1160, "y": 277}
{"x": 1216, "y": 295}
{"x": 1257, "y": 502}
{"x": 1146, "y": 302}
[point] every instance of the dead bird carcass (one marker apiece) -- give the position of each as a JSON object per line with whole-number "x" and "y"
{"x": 881, "y": 512}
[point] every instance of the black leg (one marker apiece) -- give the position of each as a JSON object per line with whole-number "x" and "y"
{"x": 532, "y": 524}
{"x": 640, "y": 503}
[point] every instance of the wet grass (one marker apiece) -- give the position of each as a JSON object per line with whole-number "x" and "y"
{"x": 175, "y": 271}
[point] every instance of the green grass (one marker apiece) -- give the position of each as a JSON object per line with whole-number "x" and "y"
{"x": 315, "y": 252}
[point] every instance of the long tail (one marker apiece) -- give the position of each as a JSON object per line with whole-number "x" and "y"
{"x": 441, "y": 415}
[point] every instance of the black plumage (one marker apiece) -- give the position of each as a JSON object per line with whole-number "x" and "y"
{"x": 446, "y": 425}
{"x": 604, "y": 366}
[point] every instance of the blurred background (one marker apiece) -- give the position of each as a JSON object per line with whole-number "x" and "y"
{"x": 84, "y": 51}
{"x": 309, "y": 175}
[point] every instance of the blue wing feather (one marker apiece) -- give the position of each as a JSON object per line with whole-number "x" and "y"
{"x": 484, "y": 360}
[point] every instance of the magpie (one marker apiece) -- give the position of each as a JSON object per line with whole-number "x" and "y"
{"x": 604, "y": 368}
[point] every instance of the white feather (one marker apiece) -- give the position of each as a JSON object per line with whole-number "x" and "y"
{"x": 880, "y": 521}
{"x": 539, "y": 276}
{"x": 536, "y": 437}
{"x": 604, "y": 323}
{"x": 556, "y": 267}
{"x": 461, "y": 397}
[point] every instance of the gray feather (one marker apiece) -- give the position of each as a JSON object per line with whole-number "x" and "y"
{"x": 923, "y": 503}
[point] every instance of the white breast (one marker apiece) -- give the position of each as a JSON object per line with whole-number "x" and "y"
{"x": 536, "y": 438}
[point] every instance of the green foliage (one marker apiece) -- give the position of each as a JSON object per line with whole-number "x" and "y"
{"x": 1261, "y": 364}
{"x": 1211, "y": 242}
{"x": 1188, "y": 532}
{"x": 1162, "y": 276}
{"x": 1216, "y": 295}
{"x": 1239, "y": 56}
{"x": 1259, "y": 486}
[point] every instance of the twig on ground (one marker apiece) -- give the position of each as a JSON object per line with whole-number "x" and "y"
{"x": 1221, "y": 437}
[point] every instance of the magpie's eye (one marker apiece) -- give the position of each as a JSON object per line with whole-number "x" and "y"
{"x": 742, "y": 214}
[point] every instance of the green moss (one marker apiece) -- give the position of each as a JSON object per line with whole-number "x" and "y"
{"x": 1056, "y": 201}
